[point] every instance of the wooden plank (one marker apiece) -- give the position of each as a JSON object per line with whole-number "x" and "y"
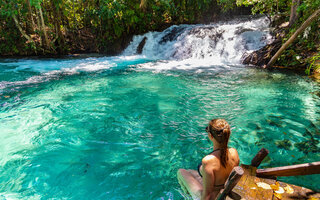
{"x": 297, "y": 193}
{"x": 247, "y": 186}
{"x": 232, "y": 180}
{"x": 292, "y": 170}
{"x": 256, "y": 161}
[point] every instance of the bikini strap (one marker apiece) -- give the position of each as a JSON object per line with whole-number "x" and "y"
{"x": 214, "y": 151}
{"x": 218, "y": 187}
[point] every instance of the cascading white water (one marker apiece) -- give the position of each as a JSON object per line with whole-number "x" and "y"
{"x": 220, "y": 43}
{"x": 213, "y": 47}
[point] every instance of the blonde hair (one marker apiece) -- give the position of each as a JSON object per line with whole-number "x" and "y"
{"x": 220, "y": 130}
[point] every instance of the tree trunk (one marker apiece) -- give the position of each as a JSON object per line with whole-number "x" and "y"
{"x": 30, "y": 22}
{"x": 43, "y": 27}
{"x": 38, "y": 26}
{"x": 57, "y": 19}
{"x": 74, "y": 16}
{"x": 293, "y": 13}
{"x": 293, "y": 37}
{"x": 21, "y": 30}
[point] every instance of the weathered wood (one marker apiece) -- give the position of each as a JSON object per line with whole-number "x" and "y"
{"x": 256, "y": 161}
{"x": 247, "y": 187}
{"x": 292, "y": 170}
{"x": 232, "y": 181}
{"x": 297, "y": 193}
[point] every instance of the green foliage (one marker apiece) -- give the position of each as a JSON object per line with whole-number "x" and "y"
{"x": 8, "y": 41}
{"x": 298, "y": 53}
{"x": 270, "y": 7}
{"x": 227, "y": 4}
{"x": 108, "y": 20}
{"x": 308, "y": 6}
{"x": 312, "y": 60}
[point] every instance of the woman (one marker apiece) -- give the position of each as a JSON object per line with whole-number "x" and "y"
{"x": 215, "y": 168}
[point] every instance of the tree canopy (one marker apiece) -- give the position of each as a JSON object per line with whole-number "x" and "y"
{"x": 56, "y": 26}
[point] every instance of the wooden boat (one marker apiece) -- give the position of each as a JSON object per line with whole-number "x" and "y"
{"x": 248, "y": 182}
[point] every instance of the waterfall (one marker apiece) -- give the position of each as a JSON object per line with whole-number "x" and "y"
{"x": 214, "y": 47}
{"x": 217, "y": 43}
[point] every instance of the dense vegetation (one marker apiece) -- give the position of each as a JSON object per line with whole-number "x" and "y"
{"x": 44, "y": 27}
{"x": 63, "y": 26}
{"x": 305, "y": 50}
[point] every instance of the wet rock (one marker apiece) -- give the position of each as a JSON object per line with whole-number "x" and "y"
{"x": 141, "y": 45}
{"x": 172, "y": 34}
{"x": 262, "y": 56}
{"x": 211, "y": 32}
{"x": 284, "y": 144}
{"x": 242, "y": 30}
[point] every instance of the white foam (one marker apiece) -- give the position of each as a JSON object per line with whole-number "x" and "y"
{"x": 184, "y": 47}
{"x": 51, "y": 69}
{"x": 221, "y": 43}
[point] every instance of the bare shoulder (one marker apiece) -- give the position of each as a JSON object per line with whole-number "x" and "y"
{"x": 233, "y": 151}
{"x": 234, "y": 155}
{"x": 211, "y": 161}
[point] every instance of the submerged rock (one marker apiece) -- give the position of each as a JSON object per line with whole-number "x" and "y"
{"x": 274, "y": 123}
{"x": 141, "y": 45}
{"x": 284, "y": 144}
{"x": 307, "y": 146}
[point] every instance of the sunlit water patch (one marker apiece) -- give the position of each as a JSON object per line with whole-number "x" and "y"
{"x": 120, "y": 127}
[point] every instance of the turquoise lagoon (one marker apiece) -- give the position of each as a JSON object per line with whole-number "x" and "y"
{"x": 114, "y": 128}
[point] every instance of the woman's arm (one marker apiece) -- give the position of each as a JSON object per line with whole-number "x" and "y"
{"x": 208, "y": 168}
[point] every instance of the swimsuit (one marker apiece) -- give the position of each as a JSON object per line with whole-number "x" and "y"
{"x": 216, "y": 187}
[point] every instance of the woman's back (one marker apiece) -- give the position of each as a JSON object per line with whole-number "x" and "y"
{"x": 215, "y": 167}
{"x": 221, "y": 173}
{"x": 215, "y": 173}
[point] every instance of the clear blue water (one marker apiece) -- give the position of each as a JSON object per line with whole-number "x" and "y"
{"x": 112, "y": 128}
